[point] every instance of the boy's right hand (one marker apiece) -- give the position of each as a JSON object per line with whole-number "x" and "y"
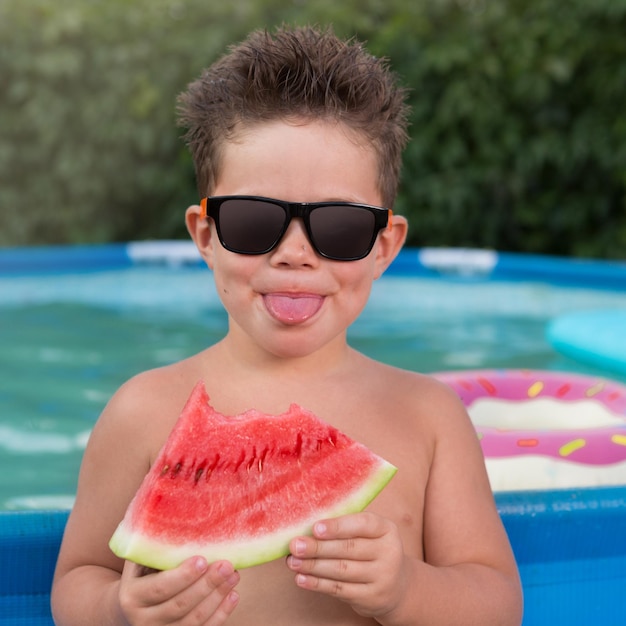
{"x": 195, "y": 593}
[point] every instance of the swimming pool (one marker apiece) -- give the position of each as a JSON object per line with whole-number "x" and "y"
{"x": 76, "y": 322}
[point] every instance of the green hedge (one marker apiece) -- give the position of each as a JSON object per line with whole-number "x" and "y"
{"x": 518, "y": 127}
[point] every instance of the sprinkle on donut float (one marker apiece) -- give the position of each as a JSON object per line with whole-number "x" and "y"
{"x": 544, "y": 429}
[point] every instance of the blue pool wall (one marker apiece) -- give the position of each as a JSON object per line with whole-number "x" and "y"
{"x": 451, "y": 262}
{"x": 570, "y": 545}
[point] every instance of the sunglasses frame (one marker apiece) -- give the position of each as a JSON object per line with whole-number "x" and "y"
{"x": 211, "y": 205}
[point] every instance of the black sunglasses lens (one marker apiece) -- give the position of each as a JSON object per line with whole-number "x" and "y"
{"x": 250, "y": 226}
{"x": 343, "y": 232}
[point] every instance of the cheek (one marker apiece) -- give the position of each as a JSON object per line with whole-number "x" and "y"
{"x": 359, "y": 275}
{"x": 235, "y": 301}
{"x": 357, "y": 285}
{"x": 225, "y": 281}
{"x": 233, "y": 277}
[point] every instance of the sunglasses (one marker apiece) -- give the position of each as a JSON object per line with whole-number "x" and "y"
{"x": 341, "y": 231}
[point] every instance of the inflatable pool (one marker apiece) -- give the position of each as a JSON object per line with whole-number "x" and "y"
{"x": 569, "y": 542}
{"x": 546, "y": 430}
{"x": 29, "y": 544}
{"x": 597, "y": 338}
{"x": 570, "y": 546}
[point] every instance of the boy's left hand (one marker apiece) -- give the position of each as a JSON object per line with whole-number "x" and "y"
{"x": 356, "y": 558}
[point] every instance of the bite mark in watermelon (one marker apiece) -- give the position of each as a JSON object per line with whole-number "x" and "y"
{"x": 241, "y": 487}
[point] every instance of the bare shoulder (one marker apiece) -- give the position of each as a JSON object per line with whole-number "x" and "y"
{"x": 416, "y": 395}
{"x": 153, "y": 387}
{"x": 412, "y": 419}
{"x": 153, "y": 399}
{"x": 437, "y": 412}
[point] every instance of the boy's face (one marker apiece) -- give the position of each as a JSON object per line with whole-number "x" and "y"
{"x": 291, "y": 301}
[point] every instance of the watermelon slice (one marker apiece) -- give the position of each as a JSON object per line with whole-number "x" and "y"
{"x": 240, "y": 488}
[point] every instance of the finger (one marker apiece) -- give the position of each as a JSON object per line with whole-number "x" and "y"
{"x": 351, "y": 548}
{"x": 348, "y": 591}
{"x": 336, "y": 559}
{"x": 193, "y": 589}
{"x": 208, "y": 601}
{"x": 221, "y": 574}
{"x": 205, "y": 596}
{"x": 365, "y": 524}
{"x": 209, "y": 616}
{"x": 157, "y": 587}
{"x": 340, "y": 569}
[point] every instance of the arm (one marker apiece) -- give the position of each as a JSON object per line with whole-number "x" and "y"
{"x": 89, "y": 586}
{"x": 468, "y": 574}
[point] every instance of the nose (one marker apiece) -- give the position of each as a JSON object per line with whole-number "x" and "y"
{"x": 295, "y": 247}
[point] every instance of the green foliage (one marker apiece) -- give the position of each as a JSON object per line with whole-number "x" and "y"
{"x": 89, "y": 150}
{"x": 518, "y": 126}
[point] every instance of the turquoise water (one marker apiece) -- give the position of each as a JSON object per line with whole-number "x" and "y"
{"x": 69, "y": 340}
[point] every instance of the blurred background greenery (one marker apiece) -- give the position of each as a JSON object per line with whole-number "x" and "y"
{"x": 518, "y": 127}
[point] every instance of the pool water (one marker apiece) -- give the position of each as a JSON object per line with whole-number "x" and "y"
{"x": 69, "y": 340}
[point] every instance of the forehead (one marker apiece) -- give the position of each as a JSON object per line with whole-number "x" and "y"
{"x": 299, "y": 161}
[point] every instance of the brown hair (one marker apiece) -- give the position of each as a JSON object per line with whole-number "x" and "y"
{"x": 295, "y": 74}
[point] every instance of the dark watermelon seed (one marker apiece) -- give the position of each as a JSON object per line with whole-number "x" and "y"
{"x": 298, "y": 449}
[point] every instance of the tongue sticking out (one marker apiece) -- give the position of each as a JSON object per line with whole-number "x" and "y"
{"x": 292, "y": 309}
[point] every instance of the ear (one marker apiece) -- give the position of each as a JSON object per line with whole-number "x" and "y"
{"x": 389, "y": 243}
{"x": 202, "y": 232}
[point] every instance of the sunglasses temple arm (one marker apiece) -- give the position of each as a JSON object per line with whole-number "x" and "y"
{"x": 203, "y": 213}
{"x": 390, "y": 220}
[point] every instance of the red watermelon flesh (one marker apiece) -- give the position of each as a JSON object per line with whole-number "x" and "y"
{"x": 241, "y": 487}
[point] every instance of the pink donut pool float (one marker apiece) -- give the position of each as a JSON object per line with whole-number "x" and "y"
{"x": 546, "y": 430}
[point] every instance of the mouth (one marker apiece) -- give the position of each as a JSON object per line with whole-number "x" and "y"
{"x": 292, "y": 308}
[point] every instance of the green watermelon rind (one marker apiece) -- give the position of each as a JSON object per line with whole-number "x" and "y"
{"x": 245, "y": 551}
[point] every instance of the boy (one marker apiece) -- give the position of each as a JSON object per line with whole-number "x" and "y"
{"x": 282, "y": 121}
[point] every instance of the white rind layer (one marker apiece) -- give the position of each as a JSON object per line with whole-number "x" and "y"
{"x": 246, "y": 551}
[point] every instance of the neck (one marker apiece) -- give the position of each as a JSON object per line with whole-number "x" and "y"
{"x": 332, "y": 356}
